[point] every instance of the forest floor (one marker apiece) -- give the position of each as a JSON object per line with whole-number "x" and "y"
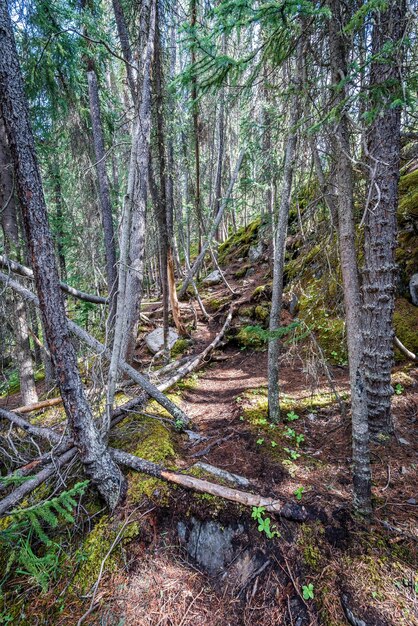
{"x": 356, "y": 572}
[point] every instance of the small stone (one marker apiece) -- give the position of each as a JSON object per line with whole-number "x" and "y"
{"x": 213, "y": 278}
{"x": 411, "y": 501}
{"x": 250, "y": 272}
{"x": 404, "y": 442}
{"x": 155, "y": 339}
{"x": 403, "y": 470}
{"x": 311, "y": 417}
{"x": 413, "y": 289}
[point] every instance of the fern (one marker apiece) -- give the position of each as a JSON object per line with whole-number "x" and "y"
{"x": 25, "y": 524}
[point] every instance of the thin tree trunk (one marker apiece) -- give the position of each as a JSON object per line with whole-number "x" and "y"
{"x": 379, "y": 273}
{"x": 125, "y": 45}
{"x": 104, "y": 191}
{"x": 19, "y": 319}
{"x": 215, "y": 226}
{"x": 98, "y": 464}
{"x": 349, "y": 268}
{"x": 195, "y": 116}
{"x": 280, "y": 248}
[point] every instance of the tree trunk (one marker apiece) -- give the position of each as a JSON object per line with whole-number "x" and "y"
{"x": 195, "y": 115}
{"x": 125, "y": 45}
{"x": 280, "y": 250}
{"x": 349, "y": 268}
{"x": 379, "y": 274}
{"x": 19, "y": 319}
{"x": 104, "y": 191}
{"x": 98, "y": 464}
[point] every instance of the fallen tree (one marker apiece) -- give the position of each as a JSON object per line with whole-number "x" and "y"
{"x": 26, "y": 272}
{"x": 289, "y": 510}
{"x": 101, "y": 349}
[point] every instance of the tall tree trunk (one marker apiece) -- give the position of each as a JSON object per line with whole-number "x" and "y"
{"x": 125, "y": 45}
{"x": 132, "y": 239}
{"x": 98, "y": 464}
{"x": 349, "y": 267}
{"x": 280, "y": 250}
{"x": 195, "y": 115}
{"x": 104, "y": 191}
{"x": 379, "y": 274}
{"x": 19, "y": 319}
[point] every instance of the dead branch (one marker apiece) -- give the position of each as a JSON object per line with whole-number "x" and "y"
{"x": 409, "y": 355}
{"x": 37, "y": 406}
{"x": 22, "y": 270}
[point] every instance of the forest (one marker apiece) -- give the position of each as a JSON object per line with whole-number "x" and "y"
{"x": 208, "y": 312}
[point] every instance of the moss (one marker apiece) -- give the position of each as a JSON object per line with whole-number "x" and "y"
{"x": 303, "y": 262}
{"x": 214, "y": 304}
{"x": 242, "y": 271}
{"x": 309, "y": 541}
{"x": 329, "y": 328}
{"x": 246, "y": 311}
{"x": 408, "y": 197}
{"x": 262, "y": 313}
{"x": 156, "y": 445}
{"x": 180, "y": 347}
{"x": 262, "y": 292}
{"x": 92, "y": 553}
{"x": 240, "y": 242}
{"x": 405, "y": 321}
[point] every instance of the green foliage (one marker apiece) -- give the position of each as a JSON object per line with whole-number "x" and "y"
{"x": 298, "y": 492}
{"x": 264, "y": 523}
{"x": 257, "y": 336}
{"x": 292, "y": 416}
{"x": 308, "y": 592}
{"x": 26, "y": 525}
{"x": 399, "y": 389}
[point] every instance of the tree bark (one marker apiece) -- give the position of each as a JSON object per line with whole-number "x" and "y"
{"x": 280, "y": 250}
{"x": 379, "y": 273}
{"x": 104, "y": 191}
{"x": 349, "y": 268}
{"x": 125, "y": 45}
{"x": 19, "y": 319}
{"x": 98, "y": 464}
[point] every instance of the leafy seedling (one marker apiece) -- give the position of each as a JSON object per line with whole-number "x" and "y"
{"x": 299, "y": 492}
{"x": 308, "y": 592}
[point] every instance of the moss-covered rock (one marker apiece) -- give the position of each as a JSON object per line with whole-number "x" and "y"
{"x": 405, "y": 321}
{"x": 180, "y": 347}
{"x": 215, "y": 304}
{"x": 239, "y": 243}
{"x": 262, "y": 313}
{"x": 262, "y": 293}
{"x": 246, "y": 338}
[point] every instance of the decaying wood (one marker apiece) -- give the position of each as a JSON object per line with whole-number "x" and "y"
{"x": 100, "y": 349}
{"x": 285, "y": 509}
{"x": 26, "y": 272}
{"x": 37, "y": 406}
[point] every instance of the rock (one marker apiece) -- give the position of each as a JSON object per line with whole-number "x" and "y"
{"x": 213, "y": 278}
{"x": 209, "y": 543}
{"x": 250, "y": 272}
{"x": 155, "y": 339}
{"x": 293, "y": 304}
{"x": 403, "y": 442}
{"x": 411, "y": 501}
{"x": 255, "y": 252}
{"x": 311, "y": 417}
{"x": 351, "y": 617}
{"x": 413, "y": 289}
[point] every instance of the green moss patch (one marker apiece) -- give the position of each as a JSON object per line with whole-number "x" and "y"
{"x": 405, "y": 321}
{"x": 239, "y": 243}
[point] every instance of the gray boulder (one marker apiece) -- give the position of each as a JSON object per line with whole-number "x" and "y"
{"x": 213, "y": 278}
{"x": 155, "y": 339}
{"x": 255, "y": 252}
{"x": 413, "y": 288}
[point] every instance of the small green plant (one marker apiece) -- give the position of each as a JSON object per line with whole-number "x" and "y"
{"x": 260, "y": 441}
{"x": 298, "y": 492}
{"x": 292, "y": 416}
{"x": 399, "y": 389}
{"x": 292, "y": 453}
{"x": 273, "y": 444}
{"x": 308, "y": 592}
{"x": 264, "y": 523}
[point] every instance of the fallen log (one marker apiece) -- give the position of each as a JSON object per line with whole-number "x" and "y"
{"x": 37, "y": 406}
{"x": 100, "y": 349}
{"x": 289, "y": 510}
{"x": 26, "y": 272}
